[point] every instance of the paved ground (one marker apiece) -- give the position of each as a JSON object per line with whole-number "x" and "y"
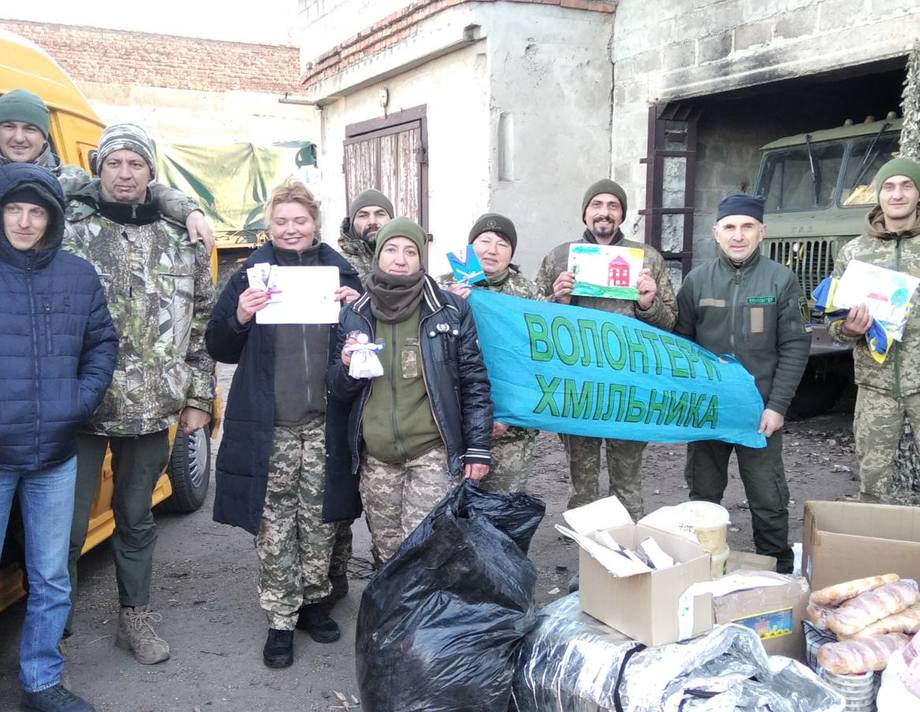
{"x": 204, "y": 584}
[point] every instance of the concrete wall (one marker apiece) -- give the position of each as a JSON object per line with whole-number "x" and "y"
{"x": 518, "y": 115}
{"x": 667, "y": 50}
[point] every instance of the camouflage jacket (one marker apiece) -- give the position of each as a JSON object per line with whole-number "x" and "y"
{"x": 663, "y": 310}
{"x": 517, "y": 285}
{"x": 160, "y": 295}
{"x": 899, "y": 375}
{"x": 357, "y": 251}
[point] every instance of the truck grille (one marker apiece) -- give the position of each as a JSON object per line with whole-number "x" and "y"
{"x": 812, "y": 259}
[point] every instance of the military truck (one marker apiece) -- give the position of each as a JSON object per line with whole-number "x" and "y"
{"x": 818, "y": 190}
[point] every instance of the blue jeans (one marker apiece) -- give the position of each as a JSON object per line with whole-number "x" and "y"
{"x": 46, "y": 501}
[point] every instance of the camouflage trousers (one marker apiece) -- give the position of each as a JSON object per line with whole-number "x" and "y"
{"x": 397, "y": 497}
{"x": 624, "y": 470}
{"x": 293, "y": 544}
{"x": 510, "y": 465}
{"x": 878, "y": 423}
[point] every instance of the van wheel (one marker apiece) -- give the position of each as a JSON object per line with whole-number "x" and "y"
{"x": 189, "y": 471}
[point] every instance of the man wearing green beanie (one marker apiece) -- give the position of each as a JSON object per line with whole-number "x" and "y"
{"x": 888, "y": 392}
{"x": 603, "y": 210}
{"x": 24, "y": 128}
{"x": 369, "y": 211}
{"x": 424, "y": 424}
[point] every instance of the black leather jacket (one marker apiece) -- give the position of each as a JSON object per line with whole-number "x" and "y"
{"x": 452, "y": 367}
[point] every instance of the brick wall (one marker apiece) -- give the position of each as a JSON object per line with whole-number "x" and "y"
{"x": 91, "y": 54}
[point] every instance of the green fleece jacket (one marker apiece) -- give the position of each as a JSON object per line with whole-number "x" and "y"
{"x": 754, "y": 312}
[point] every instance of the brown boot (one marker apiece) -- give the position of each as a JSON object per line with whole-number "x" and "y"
{"x": 136, "y": 633}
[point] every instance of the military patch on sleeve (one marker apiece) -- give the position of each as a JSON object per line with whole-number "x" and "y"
{"x": 761, "y": 300}
{"x": 805, "y": 311}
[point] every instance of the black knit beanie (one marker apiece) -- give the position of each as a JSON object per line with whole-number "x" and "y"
{"x": 493, "y": 222}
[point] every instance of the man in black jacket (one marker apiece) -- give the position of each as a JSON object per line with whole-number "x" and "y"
{"x": 58, "y": 355}
{"x": 748, "y": 306}
{"x": 428, "y": 418}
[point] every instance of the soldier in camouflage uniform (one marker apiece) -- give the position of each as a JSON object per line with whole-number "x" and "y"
{"x": 271, "y": 464}
{"x": 494, "y": 238}
{"x": 603, "y": 210}
{"x": 369, "y": 212}
{"x": 24, "y": 124}
{"x": 888, "y": 392}
{"x": 159, "y": 291}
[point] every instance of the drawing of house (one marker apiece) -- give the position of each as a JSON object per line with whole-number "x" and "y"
{"x": 618, "y": 272}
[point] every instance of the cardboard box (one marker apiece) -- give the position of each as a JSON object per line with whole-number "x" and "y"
{"x": 775, "y": 613}
{"x": 644, "y": 605}
{"x": 745, "y": 560}
{"x": 851, "y": 540}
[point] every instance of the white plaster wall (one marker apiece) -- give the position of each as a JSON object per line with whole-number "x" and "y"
{"x": 455, "y": 90}
{"x": 207, "y": 118}
{"x": 671, "y": 49}
{"x": 550, "y": 70}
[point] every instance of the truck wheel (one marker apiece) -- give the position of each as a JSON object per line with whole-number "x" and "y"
{"x": 189, "y": 471}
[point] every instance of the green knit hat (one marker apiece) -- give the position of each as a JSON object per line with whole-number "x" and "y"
{"x": 902, "y": 166}
{"x": 493, "y": 222}
{"x": 370, "y": 197}
{"x": 604, "y": 185}
{"x": 22, "y": 105}
{"x": 403, "y": 227}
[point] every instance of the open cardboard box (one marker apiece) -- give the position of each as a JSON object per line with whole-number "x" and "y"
{"x": 643, "y": 605}
{"x": 849, "y": 540}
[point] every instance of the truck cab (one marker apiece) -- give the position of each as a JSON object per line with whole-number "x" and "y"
{"x": 818, "y": 189}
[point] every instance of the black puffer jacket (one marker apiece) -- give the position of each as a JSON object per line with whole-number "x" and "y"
{"x": 455, "y": 376}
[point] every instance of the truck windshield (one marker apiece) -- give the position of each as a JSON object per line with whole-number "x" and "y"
{"x": 867, "y": 155}
{"x": 787, "y": 180}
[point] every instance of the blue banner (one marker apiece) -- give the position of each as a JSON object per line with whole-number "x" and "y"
{"x": 586, "y": 372}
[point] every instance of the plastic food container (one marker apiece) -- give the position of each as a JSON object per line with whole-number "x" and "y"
{"x": 718, "y": 563}
{"x": 857, "y": 690}
{"x": 710, "y": 524}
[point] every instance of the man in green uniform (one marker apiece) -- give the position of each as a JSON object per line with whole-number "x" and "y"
{"x": 752, "y": 308}
{"x": 889, "y": 391}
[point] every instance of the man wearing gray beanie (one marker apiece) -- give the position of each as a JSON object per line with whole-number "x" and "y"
{"x": 24, "y": 133}
{"x": 603, "y": 210}
{"x": 159, "y": 291}
{"x": 888, "y": 392}
{"x": 369, "y": 211}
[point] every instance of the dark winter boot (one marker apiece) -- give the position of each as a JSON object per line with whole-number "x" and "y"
{"x": 314, "y": 620}
{"x": 279, "y": 648}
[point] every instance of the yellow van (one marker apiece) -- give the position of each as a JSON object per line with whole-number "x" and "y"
{"x": 74, "y": 132}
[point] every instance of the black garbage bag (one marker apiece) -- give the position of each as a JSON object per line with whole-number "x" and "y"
{"x": 440, "y": 624}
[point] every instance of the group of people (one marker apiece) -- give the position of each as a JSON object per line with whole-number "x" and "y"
{"x": 113, "y": 330}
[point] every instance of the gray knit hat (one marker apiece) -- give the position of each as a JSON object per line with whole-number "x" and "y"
{"x": 24, "y": 106}
{"x": 127, "y": 136}
{"x": 605, "y": 185}
{"x": 370, "y": 197}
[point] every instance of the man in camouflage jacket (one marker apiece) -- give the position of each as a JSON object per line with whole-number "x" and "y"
{"x": 369, "y": 211}
{"x": 888, "y": 392}
{"x": 159, "y": 291}
{"x": 603, "y": 210}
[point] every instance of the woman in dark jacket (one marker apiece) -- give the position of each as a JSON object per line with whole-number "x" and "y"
{"x": 427, "y": 420}
{"x": 57, "y": 356}
{"x": 270, "y": 466}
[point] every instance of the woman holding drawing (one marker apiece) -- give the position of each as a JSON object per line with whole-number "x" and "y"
{"x": 270, "y": 465}
{"x": 494, "y": 239}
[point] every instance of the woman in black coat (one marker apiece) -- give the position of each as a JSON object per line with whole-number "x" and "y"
{"x": 270, "y": 466}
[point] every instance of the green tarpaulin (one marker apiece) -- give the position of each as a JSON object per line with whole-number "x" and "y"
{"x": 232, "y": 181}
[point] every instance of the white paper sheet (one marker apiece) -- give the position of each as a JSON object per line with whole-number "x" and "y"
{"x": 888, "y": 294}
{"x": 305, "y": 295}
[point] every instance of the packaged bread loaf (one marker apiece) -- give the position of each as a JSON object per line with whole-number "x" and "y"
{"x": 872, "y": 606}
{"x": 907, "y": 621}
{"x": 840, "y": 592}
{"x": 859, "y": 655}
{"x": 817, "y": 615}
